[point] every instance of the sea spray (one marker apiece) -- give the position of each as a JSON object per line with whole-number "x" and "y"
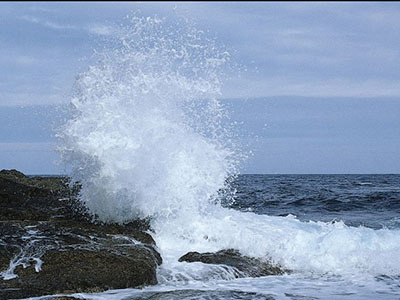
{"x": 146, "y": 137}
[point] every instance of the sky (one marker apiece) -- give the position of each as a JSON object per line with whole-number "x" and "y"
{"x": 318, "y": 90}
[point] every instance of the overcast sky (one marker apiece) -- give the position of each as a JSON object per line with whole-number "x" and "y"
{"x": 321, "y": 90}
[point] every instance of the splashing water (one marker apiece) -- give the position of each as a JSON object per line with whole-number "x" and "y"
{"x": 147, "y": 140}
{"x": 146, "y": 136}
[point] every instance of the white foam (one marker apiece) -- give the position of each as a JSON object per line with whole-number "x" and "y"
{"x": 286, "y": 287}
{"x": 29, "y": 253}
{"x": 312, "y": 247}
{"x": 146, "y": 140}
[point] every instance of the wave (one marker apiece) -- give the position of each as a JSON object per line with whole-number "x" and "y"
{"x": 147, "y": 139}
{"x": 304, "y": 247}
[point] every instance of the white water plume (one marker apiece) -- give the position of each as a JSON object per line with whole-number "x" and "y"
{"x": 146, "y": 137}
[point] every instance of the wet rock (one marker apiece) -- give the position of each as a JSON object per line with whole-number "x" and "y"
{"x": 37, "y": 198}
{"x": 247, "y": 266}
{"x": 49, "y": 244}
{"x": 84, "y": 270}
{"x": 6, "y": 254}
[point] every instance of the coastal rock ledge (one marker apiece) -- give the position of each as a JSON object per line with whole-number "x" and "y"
{"x": 244, "y": 266}
{"x": 50, "y": 245}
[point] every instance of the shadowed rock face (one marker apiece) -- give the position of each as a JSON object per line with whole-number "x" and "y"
{"x": 49, "y": 243}
{"x": 247, "y": 266}
{"x": 37, "y": 198}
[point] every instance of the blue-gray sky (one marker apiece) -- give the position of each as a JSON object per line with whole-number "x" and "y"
{"x": 321, "y": 92}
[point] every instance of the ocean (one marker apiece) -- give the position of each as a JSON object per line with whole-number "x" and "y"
{"x": 357, "y": 200}
{"x": 340, "y": 234}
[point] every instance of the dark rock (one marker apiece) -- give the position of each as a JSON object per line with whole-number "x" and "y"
{"x": 12, "y": 173}
{"x": 247, "y": 266}
{"x": 41, "y": 220}
{"x": 36, "y": 198}
{"x": 6, "y": 254}
{"x": 81, "y": 270}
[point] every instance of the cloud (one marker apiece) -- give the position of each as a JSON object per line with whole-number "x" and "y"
{"x": 28, "y": 99}
{"x": 93, "y": 28}
{"x": 46, "y": 146}
{"x": 382, "y": 17}
{"x": 101, "y": 29}
{"x": 20, "y": 60}
{"x": 26, "y": 60}
{"x": 286, "y": 86}
{"x": 48, "y": 24}
{"x": 42, "y": 9}
{"x": 319, "y": 49}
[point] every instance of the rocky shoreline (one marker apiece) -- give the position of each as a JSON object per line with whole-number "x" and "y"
{"x": 49, "y": 244}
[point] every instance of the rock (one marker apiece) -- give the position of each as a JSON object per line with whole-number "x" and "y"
{"x": 54, "y": 246}
{"x": 84, "y": 270}
{"x": 247, "y": 266}
{"x": 37, "y": 198}
{"x": 12, "y": 173}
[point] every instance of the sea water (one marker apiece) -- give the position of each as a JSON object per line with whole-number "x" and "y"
{"x": 148, "y": 138}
